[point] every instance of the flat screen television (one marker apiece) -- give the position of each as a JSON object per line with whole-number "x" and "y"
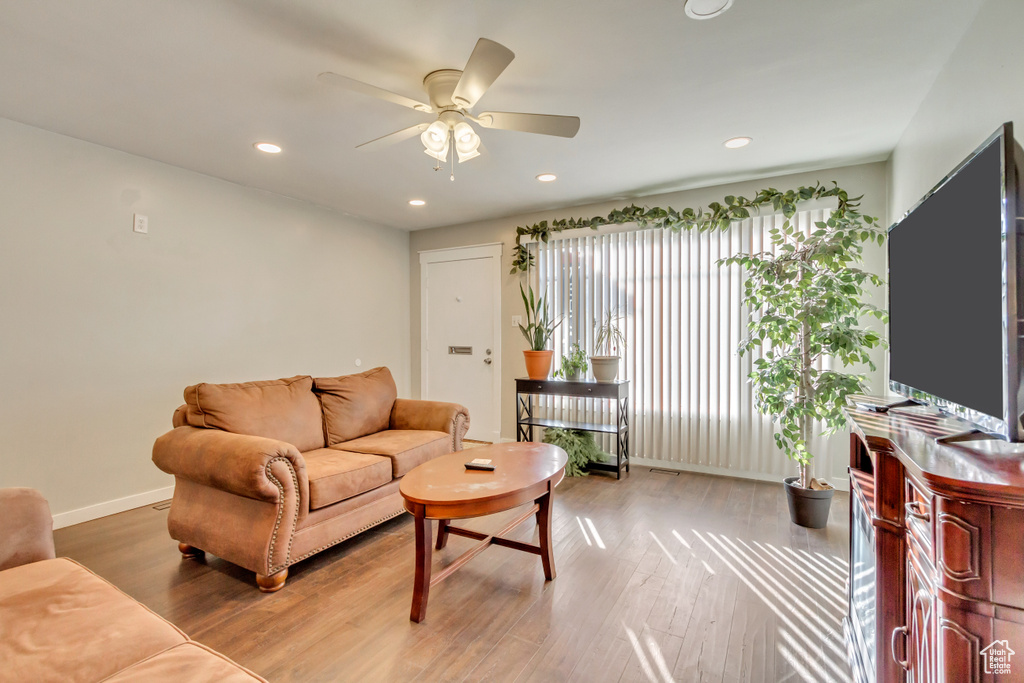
{"x": 955, "y": 270}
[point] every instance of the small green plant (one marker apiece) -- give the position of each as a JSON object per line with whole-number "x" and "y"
{"x": 609, "y": 336}
{"x": 539, "y": 328}
{"x": 574, "y": 363}
{"x": 578, "y": 445}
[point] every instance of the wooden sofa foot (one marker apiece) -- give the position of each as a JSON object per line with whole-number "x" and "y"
{"x": 189, "y": 551}
{"x": 272, "y": 583}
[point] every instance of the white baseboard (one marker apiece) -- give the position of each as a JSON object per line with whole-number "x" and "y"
{"x": 840, "y": 483}
{"x": 111, "y": 507}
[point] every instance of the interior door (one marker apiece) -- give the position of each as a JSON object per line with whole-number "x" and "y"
{"x": 460, "y": 338}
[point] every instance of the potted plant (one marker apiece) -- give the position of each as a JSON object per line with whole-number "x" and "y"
{"x": 538, "y": 331}
{"x": 805, "y": 302}
{"x": 574, "y": 364}
{"x": 579, "y": 445}
{"x": 608, "y": 338}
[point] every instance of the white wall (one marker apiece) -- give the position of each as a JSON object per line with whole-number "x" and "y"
{"x": 866, "y": 179}
{"x": 980, "y": 87}
{"x": 101, "y": 328}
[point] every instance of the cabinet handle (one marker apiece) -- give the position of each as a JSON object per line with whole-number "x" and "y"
{"x": 899, "y": 630}
{"x": 914, "y": 509}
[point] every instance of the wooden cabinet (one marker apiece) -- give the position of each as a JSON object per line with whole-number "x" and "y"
{"x": 948, "y": 523}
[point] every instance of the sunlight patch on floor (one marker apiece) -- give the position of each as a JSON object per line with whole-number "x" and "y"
{"x": 593, "y": 531}
{"x": 586, "y": 537}
{"x": 805, "y": 592}
{"x": 663, "y": 548}
{"x": 654, "y": 650}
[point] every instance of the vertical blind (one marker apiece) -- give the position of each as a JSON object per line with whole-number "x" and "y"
{"x": 690, "y": 403}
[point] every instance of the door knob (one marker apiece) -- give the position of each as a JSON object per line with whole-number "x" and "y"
{"x": 487, "y": 360}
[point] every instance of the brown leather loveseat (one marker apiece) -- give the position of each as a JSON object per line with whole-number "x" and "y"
{"x": 269, "y": 473}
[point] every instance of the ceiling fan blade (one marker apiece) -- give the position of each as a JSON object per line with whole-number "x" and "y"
{"x": 486, "y": 63}
{"x": 392, "y": 138}
{"x": 372, "y": 91}
{"x": 545, "y": 124}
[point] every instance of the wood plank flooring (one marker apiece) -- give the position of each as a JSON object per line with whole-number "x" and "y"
{"x": 661, "y": 577}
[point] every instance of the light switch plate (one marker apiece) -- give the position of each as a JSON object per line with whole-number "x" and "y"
{"x": 517, "y": 320}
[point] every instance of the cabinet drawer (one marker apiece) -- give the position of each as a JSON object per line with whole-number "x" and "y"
{"x": 919, "y": 519}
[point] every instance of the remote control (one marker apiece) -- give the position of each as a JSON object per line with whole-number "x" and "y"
{"x": 480, "y": 464}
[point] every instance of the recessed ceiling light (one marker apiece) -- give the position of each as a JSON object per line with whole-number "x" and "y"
{"x": 546, "y": 177}
{"x": 416, "y": 202}
{"x": 268, "y": 147}
{"x": 705, "y": 9}
{"x": 735, "y": 143}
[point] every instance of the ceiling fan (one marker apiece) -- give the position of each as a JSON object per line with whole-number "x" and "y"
{"x": 452, "y": 94}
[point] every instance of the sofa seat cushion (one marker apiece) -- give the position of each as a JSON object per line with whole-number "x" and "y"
{"x": 335, "y": 475}
{"x": 356, "y": 405}
{"x": 282, "y": 409}
{"x": 61, "y": 622}
{"x": 406, "y": 448}
{"x": 190, "y": 662}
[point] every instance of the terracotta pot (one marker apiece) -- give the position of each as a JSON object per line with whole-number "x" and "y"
{"x": 538, "y": 363}
{"x": 605, "y": 367}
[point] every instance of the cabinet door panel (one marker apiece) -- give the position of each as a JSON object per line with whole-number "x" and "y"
{"x": 963, "y": 554}
{"x": 921, "y": 641}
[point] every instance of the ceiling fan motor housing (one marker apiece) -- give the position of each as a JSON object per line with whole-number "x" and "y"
{"x": 440, "y": 85}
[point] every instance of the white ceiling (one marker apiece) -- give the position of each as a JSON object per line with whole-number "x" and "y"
{"x": 194, "y": 83}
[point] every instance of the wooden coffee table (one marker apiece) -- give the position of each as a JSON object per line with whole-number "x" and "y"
{"x": 444, "y": 489}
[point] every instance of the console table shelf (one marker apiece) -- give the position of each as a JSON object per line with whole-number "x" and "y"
{"x": 617, "y": 391}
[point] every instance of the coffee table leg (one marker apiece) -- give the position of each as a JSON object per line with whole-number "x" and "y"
{"x": 547, "y": 554}
{"x": 442, "y": 533}
{"x": 421, "y": 587}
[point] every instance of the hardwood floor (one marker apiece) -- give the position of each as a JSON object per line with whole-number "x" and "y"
{"x": 661, "y": 577}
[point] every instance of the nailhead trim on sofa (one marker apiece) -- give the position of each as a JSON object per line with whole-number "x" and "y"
{"x": 280, "y": 514}
{"x": 345, "y": 538}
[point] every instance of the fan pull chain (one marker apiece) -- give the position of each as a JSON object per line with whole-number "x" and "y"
{"x": 453, "y": 158}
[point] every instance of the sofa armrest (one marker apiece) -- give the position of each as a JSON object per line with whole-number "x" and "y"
{"x": 236, "y": 463}
{"x": 26, "y": 528}
{"x": 433, "y": 415}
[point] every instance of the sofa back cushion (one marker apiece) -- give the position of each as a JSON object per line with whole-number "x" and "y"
{"x": 356, "y": 405}
{"x": 282, "y": 409}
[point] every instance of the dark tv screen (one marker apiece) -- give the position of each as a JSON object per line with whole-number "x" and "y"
{"x": 945, "y": 292}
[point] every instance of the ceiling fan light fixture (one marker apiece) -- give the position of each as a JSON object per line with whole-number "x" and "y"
{"x": 435, "y": 140}
{"x": 435, "y": 137}
{"x": 467, "y": 142}
{"x": 706, "y": 9}
{"x": 464, "y": 133}
{"x": 440, "y": 156}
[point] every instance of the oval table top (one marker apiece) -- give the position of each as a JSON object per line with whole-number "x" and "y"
{"x": 517, "y": 467}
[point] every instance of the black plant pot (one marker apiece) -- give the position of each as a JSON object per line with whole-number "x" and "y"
{"x": 807, "y": 507}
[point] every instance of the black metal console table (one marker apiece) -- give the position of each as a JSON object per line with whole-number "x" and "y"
{"x": 617, "y": 391}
